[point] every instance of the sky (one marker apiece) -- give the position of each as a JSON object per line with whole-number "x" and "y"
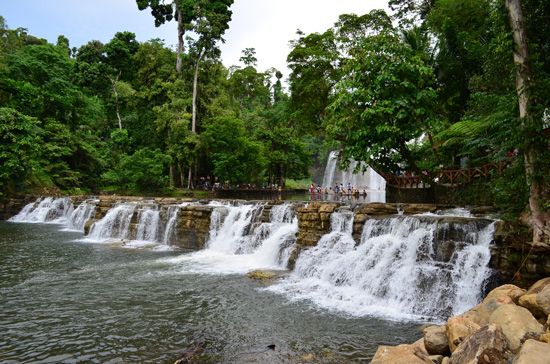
{"x": 267, "y": 25}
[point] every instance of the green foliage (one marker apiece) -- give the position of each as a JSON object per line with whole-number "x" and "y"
{"x": 145, "y": 170}
{"x": 384, "y": 99}
{"x": 434, "y": 90}
{"x": 234, "y": 156}
{"x": 19, "y": 147}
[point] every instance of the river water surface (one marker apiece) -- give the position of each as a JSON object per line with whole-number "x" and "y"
{"x": 65, "y": 301}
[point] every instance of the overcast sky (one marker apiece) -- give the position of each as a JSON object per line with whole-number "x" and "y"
{"x": 267, "y": 25}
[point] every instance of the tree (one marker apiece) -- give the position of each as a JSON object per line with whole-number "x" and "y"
{"x": 384, "y": 100}
{"x": 314, "y": 62}
{"x": 531, "y": 125}
{"x": 142, "y": 171}
{"x": 234, "y": 156}
{"x": 19, "y": 148}
{"x": 187, "y": 12}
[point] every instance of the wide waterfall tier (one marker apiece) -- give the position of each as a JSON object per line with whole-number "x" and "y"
{"x": 366, "y": 178}
{"x": 239, "y": 241}
{"x": 414, "y": 267}
{"x": 46, "y": 210}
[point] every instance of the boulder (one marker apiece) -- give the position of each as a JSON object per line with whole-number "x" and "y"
{"x": 545, "y": 338}
{"x": 537, "y": 298}
{"x": 503, "y": 295}
{"x": 435, "y": 340}
{"x": 458, "y": 329}
{"x": 402, "y": 354}
{"x": 529, "y": 301}
{"x": 508, "y": 290}
{"x": 533, "y": 352}
{"x": 539, "y": 286}
{"x": 517, "y": 325}
{"x": 487, "y": 345}
{"x": 543, "y": 300}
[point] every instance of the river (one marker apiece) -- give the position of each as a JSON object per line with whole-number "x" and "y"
{"x": 63, "y": 300}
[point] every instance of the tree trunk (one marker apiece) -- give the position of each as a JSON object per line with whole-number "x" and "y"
{"x": 182, "y": 179}
{"x": 190, "y": 178}
{"x": 195, "y": 90}
{"x": 117, "y": 108}
{"x": 523, "y": 78}
{"x": 171, "y": 175}
{"x": 181, "y": 33}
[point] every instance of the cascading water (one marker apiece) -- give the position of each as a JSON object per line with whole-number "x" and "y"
{"x": 148, "y": 224}
{"x": 239, "y": 243}
{"x": 47, "y": 210}
{"x": 271, "y": 243}
{"x": 114, "y": 225}
{"x": 81, "y": 215}
{"x": 369, "y": 179}
{"x": 414, "y": 267}
{"x": 170, "y": 228}
{"x": 228, "y": 236}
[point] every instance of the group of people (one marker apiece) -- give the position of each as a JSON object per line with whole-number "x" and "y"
{"x": 338, "y": 190}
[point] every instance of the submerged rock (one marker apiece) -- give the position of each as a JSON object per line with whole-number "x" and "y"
{"x": 263, "y": 275}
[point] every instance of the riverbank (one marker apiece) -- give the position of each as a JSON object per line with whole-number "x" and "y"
{"x": 510, "y": 325}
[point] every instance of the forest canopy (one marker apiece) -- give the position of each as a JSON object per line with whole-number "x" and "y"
{"x": 430, "y": 86}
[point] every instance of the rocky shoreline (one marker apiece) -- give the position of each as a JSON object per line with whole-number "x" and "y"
{"x": 511, "y": 325}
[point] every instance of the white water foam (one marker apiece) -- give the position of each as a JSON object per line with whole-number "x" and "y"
{"x": 81, "y": 215}
{"x": 114, "y": 225}
{"x": 148, "y": 224}
{"x": 239, "y": 243}
{"x": 398, "y": 271}
{"x": 47, "y": 210}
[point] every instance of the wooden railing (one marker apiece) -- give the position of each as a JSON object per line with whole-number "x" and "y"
{"x": 449, "y": 177}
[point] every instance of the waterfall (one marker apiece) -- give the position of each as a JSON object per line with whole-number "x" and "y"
{"x": 416, "y": 267}
{"x": 81, "y": 215}
{"x": 271, "y": 243}
{"x": 170, "y": 228}
{"x": 148, "y": 224}
{"x": 239, "y": 242}
{"x": 114, "y": 225}
{"x": 368, "y": 180}
{"x": 47, "y": 210}
{"x": 226, "y": 237}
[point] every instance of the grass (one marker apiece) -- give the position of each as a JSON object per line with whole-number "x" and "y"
{"x": 298, "y": 183}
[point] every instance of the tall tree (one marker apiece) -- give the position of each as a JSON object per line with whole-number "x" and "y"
{"x": 186, "y": 13}
{"x": 530, "y": 124}
{"x": 383, "y": 100}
